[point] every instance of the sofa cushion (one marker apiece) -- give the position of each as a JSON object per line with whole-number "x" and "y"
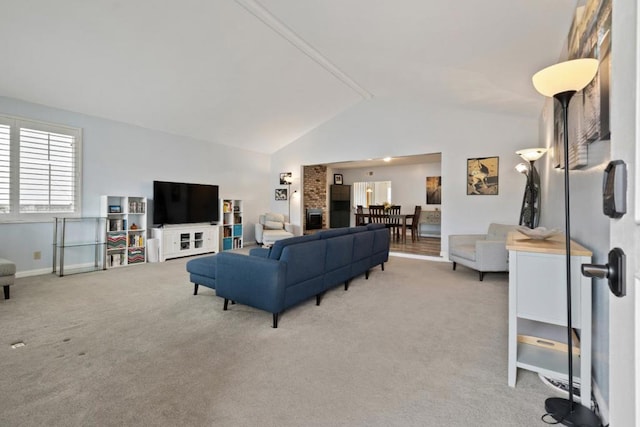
{"x": 273, "y": 225}
{"x": 203, "y": 266}
{"x": 278, "y": 247}
{"x": 375, "y": 226}
{"x": 466, "y": 251}
{"x": 358, "y": 229}
{"x": 333, "y": 232}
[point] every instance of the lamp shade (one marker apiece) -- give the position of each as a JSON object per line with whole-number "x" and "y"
{"x": 531, "y": 154}
{"x": 522, "y": 168}
{"x": 566, "y": 76}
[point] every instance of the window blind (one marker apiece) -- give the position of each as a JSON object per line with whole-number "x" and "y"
{"x": 47, "y": 172}
{"x": 5, "y": 168}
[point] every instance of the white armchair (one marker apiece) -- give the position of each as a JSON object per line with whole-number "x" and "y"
{"x": 272, "y": 227}
{"x": 482, "y": 252}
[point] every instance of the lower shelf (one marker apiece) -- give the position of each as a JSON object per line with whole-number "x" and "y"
{"x": 550, "y": 363}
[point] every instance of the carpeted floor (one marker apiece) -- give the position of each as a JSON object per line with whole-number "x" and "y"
{"x": 415, "y": 345}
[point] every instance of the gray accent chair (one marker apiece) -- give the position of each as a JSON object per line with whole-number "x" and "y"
{"x": 482, "y": 252}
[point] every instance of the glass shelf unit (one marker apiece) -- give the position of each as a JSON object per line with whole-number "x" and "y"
{"x": 78, "y": 245}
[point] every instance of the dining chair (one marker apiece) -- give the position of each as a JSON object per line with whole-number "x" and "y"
{"x": 376, "y": 214}
{"x": 394, "y": 224}
{"x": 415, "y": 223}
{"x": 360, "y": 215}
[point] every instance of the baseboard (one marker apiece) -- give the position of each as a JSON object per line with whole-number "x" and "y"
{"x": 29, "y": 273}
{"x": 603, "y": 407}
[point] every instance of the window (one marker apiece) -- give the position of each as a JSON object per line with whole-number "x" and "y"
{"x": 371, "y": 193}
{"x": 39, "y": 170}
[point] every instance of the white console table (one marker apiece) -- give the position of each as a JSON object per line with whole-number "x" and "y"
{"x": 184, "y": 240}
{"x": 538, "y": 310}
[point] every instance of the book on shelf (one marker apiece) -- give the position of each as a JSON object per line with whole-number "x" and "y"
{"x": 115, "y": 225}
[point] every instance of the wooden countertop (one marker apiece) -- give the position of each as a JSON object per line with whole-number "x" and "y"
{"x": 517, "y": 241}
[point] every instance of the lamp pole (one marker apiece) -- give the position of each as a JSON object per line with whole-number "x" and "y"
{"x": 562, "y": 81}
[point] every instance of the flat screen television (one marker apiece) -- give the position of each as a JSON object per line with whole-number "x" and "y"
{"x": 182, "y": 203}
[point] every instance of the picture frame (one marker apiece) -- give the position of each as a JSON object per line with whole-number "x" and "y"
{"x": 482, "y": 176}
{"x": 337, "y": 178}
{"x": 434, "y": 190}
{"x": 283, "y": 178}
{"x": 281, "y": 194}
{"x": 115, "y": 209}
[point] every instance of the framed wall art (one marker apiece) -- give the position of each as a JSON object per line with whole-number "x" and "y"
{"x": 285, "y": 178}
{"x": 434, "y": 190}
{"x": 337, "y": 178}
{"x": 281, "y": 194}
{"x": 482, "y": 176}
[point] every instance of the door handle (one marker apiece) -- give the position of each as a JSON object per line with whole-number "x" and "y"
{"x": 614, "y": 271}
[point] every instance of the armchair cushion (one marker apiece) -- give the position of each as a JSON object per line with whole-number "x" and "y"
{"x": 273, "y": 225}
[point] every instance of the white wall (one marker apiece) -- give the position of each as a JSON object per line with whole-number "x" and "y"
{"x": 121, "y": 159}
{"x": 385, "y": 127}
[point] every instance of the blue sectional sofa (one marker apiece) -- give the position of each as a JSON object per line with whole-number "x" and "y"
{"x": 293, "y": 270}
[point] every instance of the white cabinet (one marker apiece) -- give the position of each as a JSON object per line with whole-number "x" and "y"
{"x": 538, "y": 310}
{"x": 429, "y": 223}
{"x": 126, "y": 229}
{"x": 232, "y": 226}
{"x": 183, "y": 240}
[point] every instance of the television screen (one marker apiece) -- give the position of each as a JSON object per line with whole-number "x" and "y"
{"x": 182, "y": 203}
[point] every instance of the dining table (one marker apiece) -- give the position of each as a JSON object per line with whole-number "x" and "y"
{"x": 367, "y": 218}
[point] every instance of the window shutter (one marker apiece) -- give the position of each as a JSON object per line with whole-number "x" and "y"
{"x": 47, "y": 172}
{"x": 5, "y": 171}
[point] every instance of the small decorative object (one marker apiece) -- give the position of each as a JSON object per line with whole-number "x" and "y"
{"x": 134, "y": 226}
{"x": 434, "y": 190}
{"x": 115, "y": 209}
{"x": 386, "y": 206}
{"x": 285, "y": 179}
{"x": 281, "y": 194}
{"x": 482, "y": 176}
{"x": 337, "y": 178}
{"x": 540, "y": 233}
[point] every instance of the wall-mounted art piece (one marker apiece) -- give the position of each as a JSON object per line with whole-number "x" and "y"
{"x": 281, "y": 194}
{"x": 285, "y": 178}
{"x": 589, "y": 37}
{"x": 434, "y": 190}
{"x": 482, "y": 176}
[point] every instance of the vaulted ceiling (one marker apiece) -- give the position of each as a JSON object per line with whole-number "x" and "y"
{"x": 258, "y": 74}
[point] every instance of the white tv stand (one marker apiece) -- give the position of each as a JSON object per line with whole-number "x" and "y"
{"x": 186, "y": 239}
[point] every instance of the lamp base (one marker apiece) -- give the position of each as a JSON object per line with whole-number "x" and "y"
{"x": 560, "y": 410}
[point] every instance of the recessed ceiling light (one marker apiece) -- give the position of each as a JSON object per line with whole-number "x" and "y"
{"x": 387, "y": 159}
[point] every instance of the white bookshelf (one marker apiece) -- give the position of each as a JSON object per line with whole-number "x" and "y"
{"x": 126, "y": 229}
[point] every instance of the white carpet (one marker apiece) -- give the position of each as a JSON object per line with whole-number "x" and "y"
{"x": 415, "y": 345}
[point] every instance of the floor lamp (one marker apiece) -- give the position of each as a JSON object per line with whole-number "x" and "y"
{"x": 561, "y": 81}
{"x": 288, "y": 179}
{"x": 530, "y": 212}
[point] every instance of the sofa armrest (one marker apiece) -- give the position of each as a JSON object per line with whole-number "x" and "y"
{"x": 465, "y": 239}
{"x": 250, "y": 280}
{"x": 259, "y": 229}
{"x": 492, "y": 255}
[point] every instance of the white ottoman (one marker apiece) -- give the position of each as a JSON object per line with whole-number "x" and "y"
{"x": 7, "y": 275}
